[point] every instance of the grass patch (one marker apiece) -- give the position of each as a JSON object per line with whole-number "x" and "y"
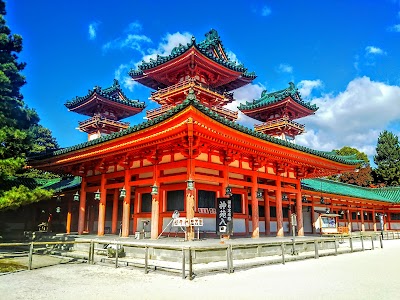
{"x": 7, "y": 266}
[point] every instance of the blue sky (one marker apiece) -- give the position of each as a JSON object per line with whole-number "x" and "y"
{"x": 343, "y": 55}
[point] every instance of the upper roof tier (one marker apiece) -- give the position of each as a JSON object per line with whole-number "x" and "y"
{"x": 206, "y": 60}
{"x": 288, "y": 99}
{"x": 110, "y": 102}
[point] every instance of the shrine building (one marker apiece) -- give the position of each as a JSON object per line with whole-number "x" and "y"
{"x": 191, "y": 151}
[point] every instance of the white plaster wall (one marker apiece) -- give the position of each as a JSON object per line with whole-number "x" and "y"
{"x": 239, "y": 226}
{"x": 395, "y": 226}
{"x": 286, "y": 226}
{"x": 261, "y": 226}
{"x": 273, "y": 226}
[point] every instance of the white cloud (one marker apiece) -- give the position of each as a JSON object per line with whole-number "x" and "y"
{"x": 354, "y": 117}
{"x": 395, "y": 28}
{"x": 285, "y": 68}
{"x": 133, "y": 41}
{"x": 232, "y": 56}
{"x": 246, "y": 93}
{"x": 306, "y": 86}
{"x": 266, "y": 11}
{"x": 134, "y": 27}
{"x": 121, "y": 74}
{"x": 168, "y": 42}
{"x": 93, "y": 30}
{"x": 374, "y": 50}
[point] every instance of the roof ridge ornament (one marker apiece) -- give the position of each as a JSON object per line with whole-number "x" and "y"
{"x": 191, "y": 95}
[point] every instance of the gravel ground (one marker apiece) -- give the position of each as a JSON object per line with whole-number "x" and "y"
{"x": 371, "y": 274}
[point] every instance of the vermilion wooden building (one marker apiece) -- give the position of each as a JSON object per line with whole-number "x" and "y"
{"x": 191, "y": 151}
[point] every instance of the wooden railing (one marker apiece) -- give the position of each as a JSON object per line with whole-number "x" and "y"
{"x": 279, "y": 122}
{"x": 98, "y": 118}
{"x": 187, "y": 83}
{"x": 188, "y": 257}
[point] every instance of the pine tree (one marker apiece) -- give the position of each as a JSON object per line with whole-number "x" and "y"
{"x": 387, "y": 159}
{"x": 19, "y": 125}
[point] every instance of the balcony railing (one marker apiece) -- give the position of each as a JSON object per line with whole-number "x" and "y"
{"x": 227, "y": 113}
{"x": 102, "y": 120}
{"x": 285, "y": 121}
{"x": 154, "y": 113}
{"x": 192, "y": 82}
{"x": 224, "y": 112}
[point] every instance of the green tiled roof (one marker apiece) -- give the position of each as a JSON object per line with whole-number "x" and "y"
{"x": 62, "y": 184}
{"x": 391, "y": 193}
{"x": 212, "y": 40}
{"x": 271, "y": 98}
{"x": 57, "y": 184}
{"x": 191, "y": 100}
{"x": 111, "y": 93}
{"x": 339, "y": 188}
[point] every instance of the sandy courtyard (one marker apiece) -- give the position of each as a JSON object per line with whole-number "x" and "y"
{"x": 362, "y": 275}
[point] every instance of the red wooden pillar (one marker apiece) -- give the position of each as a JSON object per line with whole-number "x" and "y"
{"x": 362, "y": 221}
{"x": 255, "y": 219}
{"x": 155, "y": 206}
{"x": 374, "y": 218}
{"x": 82, "y": 207}
{"x": 155, "y": 215}
{"x": 102, "y": 206}
{"x": 279, "y": 213}
{"x": 299, "y": 212}
{"x": 138, "y": 197}
{"x": 267, "y": 213}
{"x": 349, "y": 220}
{"x": 190, "y": 206}
{"x": 114, "y": 220}
{"x": 69, "y": 216}
{"x": 312, "y": 216}
{"x": 126, "y": 206}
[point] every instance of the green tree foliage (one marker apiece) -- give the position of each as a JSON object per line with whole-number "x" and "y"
{"x": 387, "y": 159}
{"x": 347, "y": 151}
{"x": 22, "y": 195}
{"x": 20, "y": 132}
{"x": 363, "y": 175}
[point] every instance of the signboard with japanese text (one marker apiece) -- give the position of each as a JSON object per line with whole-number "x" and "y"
{"x": 224, "y": 216}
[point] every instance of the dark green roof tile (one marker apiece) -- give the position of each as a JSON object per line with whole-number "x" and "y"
{"x": 339, "y": 188}
{"x": 274, "y": 97}
{"x": 109, "y": 93}
{"x": 212, "y": 39}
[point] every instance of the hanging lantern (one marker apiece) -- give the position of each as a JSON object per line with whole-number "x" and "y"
{"x": 284, "y": 196}
{"x": 76, "y": 196}
{"x": 97, "y": 195}
{"x": 304, "y": 199}
{"x": 228, "y": 191}
{"x": 322, "y": 200}
{"x": 190, "y": 184}
{"x": 58, "y": 209}
{"x": 358, "y": 213}
{"x": 154, "y": 189}
{"x": 122, "y": 193}
{"x": 342, "y": 212}
{"x": 259, "y": 194}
